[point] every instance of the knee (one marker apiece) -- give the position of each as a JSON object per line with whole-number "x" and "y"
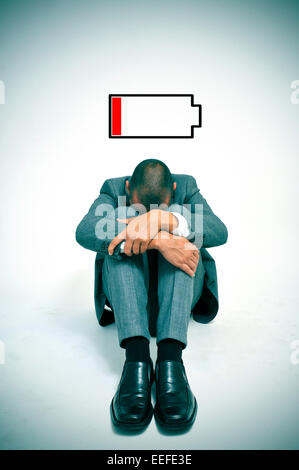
{"x": 125, "y": 211}
{"x": 121, "y": 212}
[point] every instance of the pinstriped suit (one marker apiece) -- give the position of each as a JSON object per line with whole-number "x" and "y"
{"x": 200, "y": 293}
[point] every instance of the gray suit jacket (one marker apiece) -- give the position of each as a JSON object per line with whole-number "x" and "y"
{"x": 213, "y": 233}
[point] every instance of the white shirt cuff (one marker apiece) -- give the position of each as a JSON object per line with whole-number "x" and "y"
{"x": 182, "y": 229}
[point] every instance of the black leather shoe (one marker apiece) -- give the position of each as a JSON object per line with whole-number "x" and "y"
{"x": 131, "y": 406}
{"x": 176, "y": 406}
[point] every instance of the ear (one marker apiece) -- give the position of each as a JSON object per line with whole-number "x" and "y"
{"x": 174, "y": 185}
{"x": 127, "y": 184}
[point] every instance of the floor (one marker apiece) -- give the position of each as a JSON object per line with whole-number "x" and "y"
{"x": 59, "y": 62}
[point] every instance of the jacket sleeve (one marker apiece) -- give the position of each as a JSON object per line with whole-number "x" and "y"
{"x": 207, "y": 230}
{"x": 90, "y": 232}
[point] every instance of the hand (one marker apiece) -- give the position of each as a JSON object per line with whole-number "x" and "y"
{"x": 178, "y": 251}
{"x": 139, "y": 232}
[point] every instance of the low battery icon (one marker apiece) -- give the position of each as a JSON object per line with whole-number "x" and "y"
{"x": 153, "y": 116}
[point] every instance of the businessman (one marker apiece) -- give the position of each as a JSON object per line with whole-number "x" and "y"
{"x": 150, "y": 231}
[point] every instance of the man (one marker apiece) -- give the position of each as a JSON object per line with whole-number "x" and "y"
{"x": 150, "y": 232}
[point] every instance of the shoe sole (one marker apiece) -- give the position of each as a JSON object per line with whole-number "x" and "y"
{"x": 131, "y": 426}
{"x": 177, "y": 426}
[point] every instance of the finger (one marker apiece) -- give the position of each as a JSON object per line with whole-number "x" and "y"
{"x": 187, "y": 270}
{"x": 143, "y": 246}
{"x": 192, "y": 264}
{"x": 116, "y": 241}
{"x": 128, "y": 247}
{"x": 136, "y": 246}
{"x": 196, "y": 258}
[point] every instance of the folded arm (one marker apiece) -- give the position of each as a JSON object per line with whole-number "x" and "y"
{"x": 207, "y": 230}
{"x": 105, "y": 224}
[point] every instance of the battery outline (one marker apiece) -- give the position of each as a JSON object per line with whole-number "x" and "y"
{"x": 193, "y": 105}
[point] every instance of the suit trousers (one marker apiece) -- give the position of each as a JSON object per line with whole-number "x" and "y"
{"x": 130, "y": 285}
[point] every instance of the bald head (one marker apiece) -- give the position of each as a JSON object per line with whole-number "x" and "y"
{"x": 151, "y": 183}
